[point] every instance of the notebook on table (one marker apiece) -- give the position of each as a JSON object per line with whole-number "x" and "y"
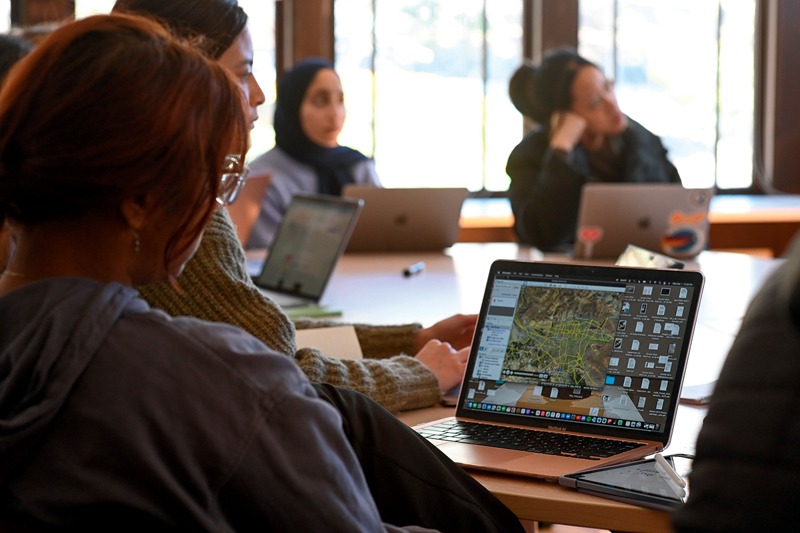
{"x": 572, "y": 367}
{"x": 663, "y": 217}
{"x": 395, "y": 220}
{"x": 309, "y": 242}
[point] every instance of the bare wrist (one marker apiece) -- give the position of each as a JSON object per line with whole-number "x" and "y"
{"x": 421, "y": 339}
{"x": 559, "y": 144}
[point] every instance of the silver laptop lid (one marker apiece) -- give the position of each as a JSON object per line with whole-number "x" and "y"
{"x": 406, "y": 219}
{"x": 663, "y": 217}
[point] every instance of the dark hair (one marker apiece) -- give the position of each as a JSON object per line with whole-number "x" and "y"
{"x": 538, "y": 92}
{"x": 217, "y": 22}
{"x": 12, "y": 49}
{"x": 99, "y": 112}
{"x": 520, "y": 89}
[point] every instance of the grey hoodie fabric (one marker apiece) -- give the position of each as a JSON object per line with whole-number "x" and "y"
{"x": 113, "y": 414}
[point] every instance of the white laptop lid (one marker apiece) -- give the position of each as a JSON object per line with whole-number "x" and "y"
{"x": 395, "y": 220}
{"x": 663, "y": 217}
{"x": 309, "y": 242}
{"x": 576, "y": 349}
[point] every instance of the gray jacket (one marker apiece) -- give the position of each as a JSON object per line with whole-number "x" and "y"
{"x": 113, "y": 414}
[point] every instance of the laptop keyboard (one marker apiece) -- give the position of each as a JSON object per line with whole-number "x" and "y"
{"x": 529, "y": 440}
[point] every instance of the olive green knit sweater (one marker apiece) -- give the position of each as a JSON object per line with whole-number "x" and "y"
{"x": 216, "y": 287}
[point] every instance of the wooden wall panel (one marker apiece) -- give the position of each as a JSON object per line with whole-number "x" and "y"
{"x": 778, "y": 115}
{"x": 32, "y": 12}
{"x": 303, "y": 28}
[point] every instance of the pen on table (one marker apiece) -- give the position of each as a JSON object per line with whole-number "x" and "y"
{"x": 669, "y": 470}
{"x": 416, "y": 268}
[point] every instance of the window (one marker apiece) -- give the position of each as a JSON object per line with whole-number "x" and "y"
{"x": 426, "y": 83}
{"x": 86, "y": 8}
{"x": 685, "y": 70}
{"x": 426, "y": 88}
{"x": 5, "y": 17}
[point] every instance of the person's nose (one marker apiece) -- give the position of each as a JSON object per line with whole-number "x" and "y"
{"x": 610, "y": 101}
{"x": 257, "y": 96}
{"x": 336, "y": 111}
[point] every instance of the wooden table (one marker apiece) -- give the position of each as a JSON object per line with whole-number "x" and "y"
{"x": 371, "y": 288}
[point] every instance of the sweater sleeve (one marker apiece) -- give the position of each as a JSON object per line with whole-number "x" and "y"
{"x": 215, "y": 286}
{"x": 398, "y": 383}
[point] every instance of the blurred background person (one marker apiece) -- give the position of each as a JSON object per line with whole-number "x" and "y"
{"x": 307, "y": 157}
{"x": 582, "y": 136}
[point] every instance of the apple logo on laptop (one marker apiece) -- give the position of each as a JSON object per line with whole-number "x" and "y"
{"x": 643, "y": 223}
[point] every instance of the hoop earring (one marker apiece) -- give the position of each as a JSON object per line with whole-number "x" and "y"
{"x": 136, "y": 242}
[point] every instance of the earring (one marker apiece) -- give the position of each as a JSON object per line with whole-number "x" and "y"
{"x": 136, "y": 243}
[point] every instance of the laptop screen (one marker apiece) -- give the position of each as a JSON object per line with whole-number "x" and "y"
{"x": 583, "y": 345}
{"x": 311, "y": 238}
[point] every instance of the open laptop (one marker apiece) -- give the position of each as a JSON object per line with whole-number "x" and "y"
{"x": 310, "y": 240}
{"x": 663, "y": 217}
{"x": 572, "y": 352}
{"x": 412, "y": 219}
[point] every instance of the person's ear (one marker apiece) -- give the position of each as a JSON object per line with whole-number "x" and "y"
{"x": 135, "y": 210}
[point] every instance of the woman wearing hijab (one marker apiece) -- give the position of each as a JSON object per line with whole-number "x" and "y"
{"x": 582, "y": 137}
{"x": 307, "y": 157}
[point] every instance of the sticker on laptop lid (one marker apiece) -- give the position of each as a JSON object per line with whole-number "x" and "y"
{"x": 588, "y": 236}
{"x": 686, "y": 235}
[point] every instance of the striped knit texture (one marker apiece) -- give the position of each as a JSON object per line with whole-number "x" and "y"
{"x": 216, "y": 287}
